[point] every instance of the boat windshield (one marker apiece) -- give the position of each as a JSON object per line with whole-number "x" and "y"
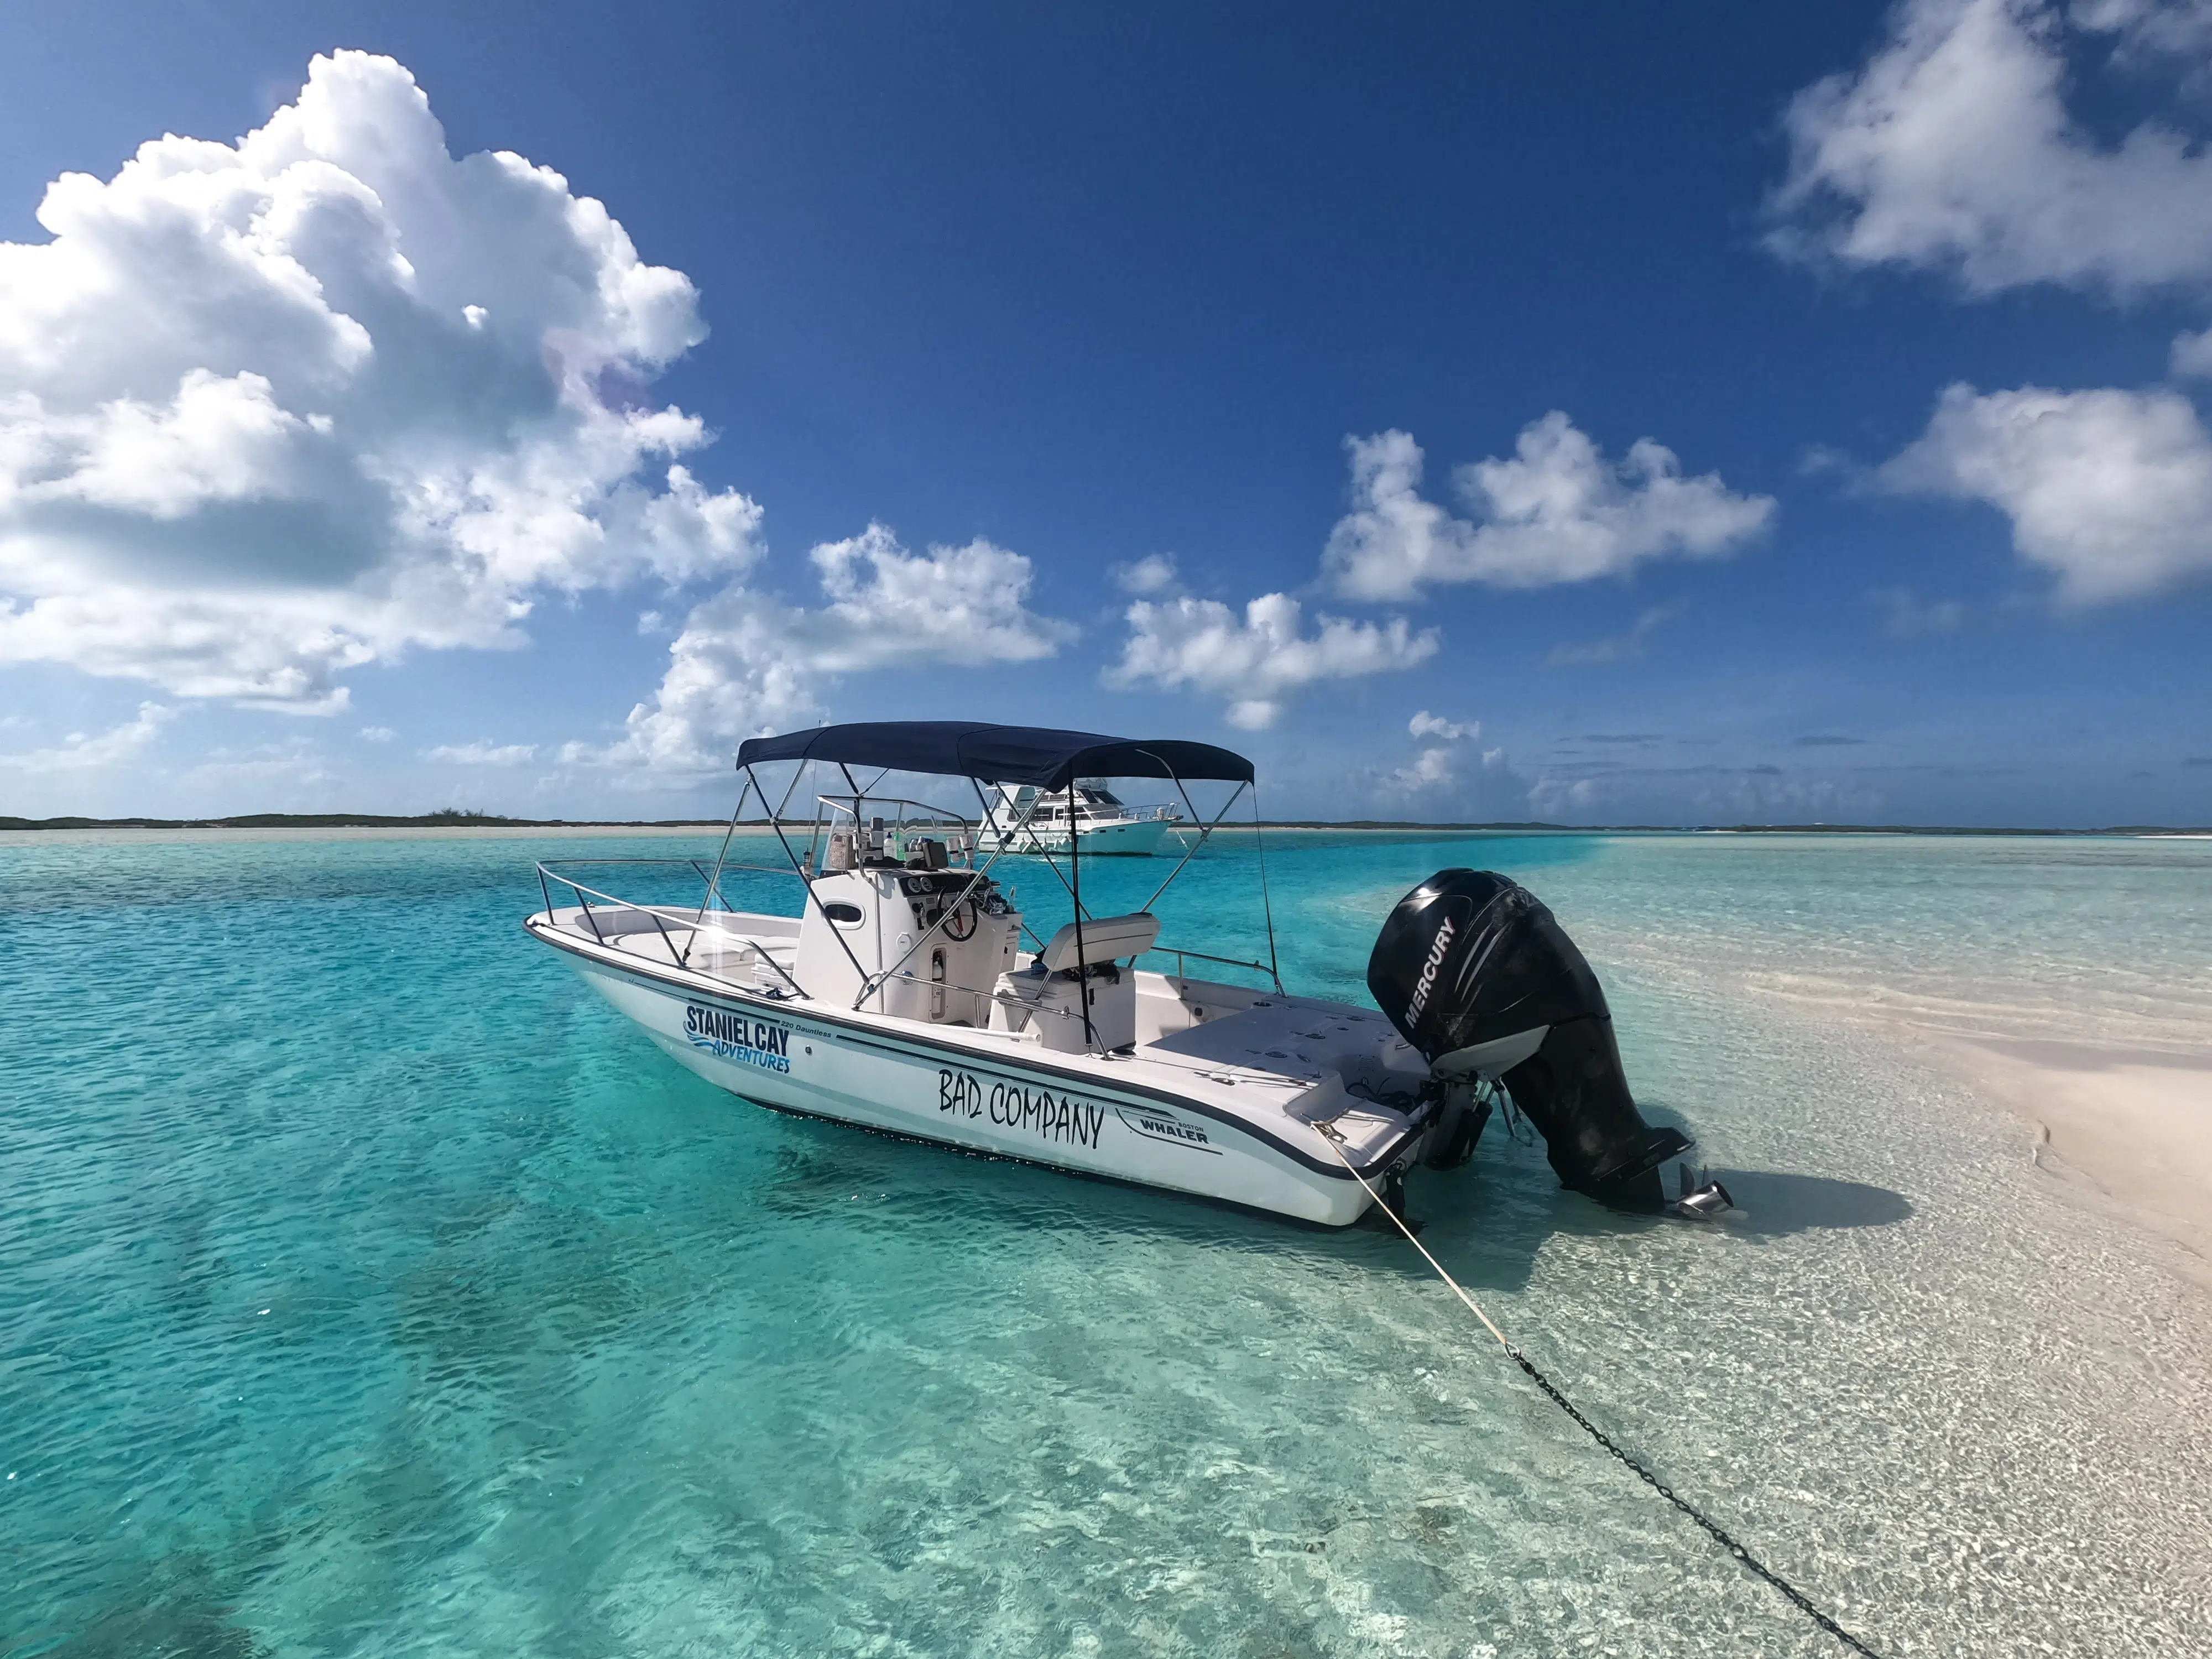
{"x": 856, "y": 828}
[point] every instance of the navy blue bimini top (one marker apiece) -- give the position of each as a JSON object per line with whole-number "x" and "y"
{"x": 998, "y": 754}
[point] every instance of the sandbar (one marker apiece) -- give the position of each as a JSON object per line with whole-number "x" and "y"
{"x": 2136, "y": 1123}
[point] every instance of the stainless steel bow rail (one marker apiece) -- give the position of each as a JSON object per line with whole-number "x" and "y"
{"x": 695, "y": 924}
{"x": 1797, "y": 1598}
{"x": 692, "y": 924}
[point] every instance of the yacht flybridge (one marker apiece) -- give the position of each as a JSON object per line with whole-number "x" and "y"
{"x": 911, "y": 995}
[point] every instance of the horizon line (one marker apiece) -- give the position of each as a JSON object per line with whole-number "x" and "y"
{"x": 452, "y": 818}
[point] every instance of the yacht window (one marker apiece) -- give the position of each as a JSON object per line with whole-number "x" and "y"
{"x": 844, "y": 915}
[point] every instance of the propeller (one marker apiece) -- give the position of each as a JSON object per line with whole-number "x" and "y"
{"x": 1703, "y": 1199}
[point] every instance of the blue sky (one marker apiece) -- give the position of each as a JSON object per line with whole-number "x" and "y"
{"x": 1806, "y": 400}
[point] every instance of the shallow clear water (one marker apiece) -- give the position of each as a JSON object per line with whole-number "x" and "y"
{"x": 369, "y": 1287}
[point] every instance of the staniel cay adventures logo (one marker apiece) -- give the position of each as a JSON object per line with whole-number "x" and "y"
{"x": 734, "y": 1036}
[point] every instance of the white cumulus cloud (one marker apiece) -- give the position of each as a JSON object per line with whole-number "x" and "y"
{"x": 1425, "y": 725}
{"x": 481, "y": 754}
{"x": 1153, "y": 573}
{"x": 2110, "y": 490}
{"x": 2149, "y": 28}
{"x": 82, "y": 752}
{"x": 1258, "y": 660}
{"x": 1558, "y": 511}
{"x": 746, "y": 662}
{"x": 892, "y": 608}
{"x": 291, "y": 766}
{"x": 1953, "y": 149}
{"x": 1431, "y": 770}
{"x": 1552, "y": 798}
{"x": 2191, "y": 356}
{"x": 1436, "y": 766}
{"x": 273, "y": 410}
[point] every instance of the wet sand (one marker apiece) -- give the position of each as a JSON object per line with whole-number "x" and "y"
{"x": 2134, "y": 1124}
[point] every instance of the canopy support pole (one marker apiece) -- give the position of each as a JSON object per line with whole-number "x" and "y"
{"x": 797, "y": 773}
{"x": 1006, "y": 837}
{"x": 708, "y": 897}
{"x": 1204, "y": 829}
{"x": 1073, "y": 896}
{"x": 1266, "y": 906}
{"x": 975, "y": 882}
{"x": 776, "y": 823}
{"x": 1075, "y": 892}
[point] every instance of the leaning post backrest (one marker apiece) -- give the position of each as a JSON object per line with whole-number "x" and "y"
{"x": 1106, "y": 938}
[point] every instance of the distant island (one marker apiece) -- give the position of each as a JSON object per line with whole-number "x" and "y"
{"x": 447, "y": 818}
{"x": 454, "y": 818}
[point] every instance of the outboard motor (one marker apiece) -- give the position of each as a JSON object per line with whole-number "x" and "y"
{"x": 1475, "y": 973}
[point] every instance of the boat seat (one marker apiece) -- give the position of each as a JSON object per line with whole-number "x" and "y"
{"x": 1047, "y": 999}
{"x": 1106, "y": 938}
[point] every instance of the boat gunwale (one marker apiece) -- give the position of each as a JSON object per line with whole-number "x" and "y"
{"x": 613, "y": 957}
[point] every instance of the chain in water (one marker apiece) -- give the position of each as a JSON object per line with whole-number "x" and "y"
{"x": 1797, "y": 1598}
{"x": 1803, "y": 1602}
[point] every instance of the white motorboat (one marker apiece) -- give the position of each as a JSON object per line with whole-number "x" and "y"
{"x": 910, "y": 996}
{"x": 1106, "y": 825}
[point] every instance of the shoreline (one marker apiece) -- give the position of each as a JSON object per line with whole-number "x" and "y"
{"x": 328, "y": 825}
{"x": 144, "y": 834}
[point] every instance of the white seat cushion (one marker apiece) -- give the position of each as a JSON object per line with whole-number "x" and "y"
{"x": 1107, "y": 938}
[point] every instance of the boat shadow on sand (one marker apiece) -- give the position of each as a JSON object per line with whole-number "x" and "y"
{"x": 1489, "y": 1231}
{"x": 1774, "y": 1203}
{"x": 1486, "y": 1222}
{"x": 1778, "y": 1203}
{"x": 1492, "y": 1217}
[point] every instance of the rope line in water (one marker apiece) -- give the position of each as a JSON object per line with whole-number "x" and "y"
{"x": 1797, "y": 1598}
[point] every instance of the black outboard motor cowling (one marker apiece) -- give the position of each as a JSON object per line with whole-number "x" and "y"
{"x": 1470, "y": 958}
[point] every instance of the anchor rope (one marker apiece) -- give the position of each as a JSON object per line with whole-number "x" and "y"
{"x": 1719, "y": 1534}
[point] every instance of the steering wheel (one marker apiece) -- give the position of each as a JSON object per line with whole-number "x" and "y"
{"x": 953, "y": 928}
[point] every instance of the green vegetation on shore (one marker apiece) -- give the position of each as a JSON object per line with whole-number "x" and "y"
{"x": 445, "y": 818}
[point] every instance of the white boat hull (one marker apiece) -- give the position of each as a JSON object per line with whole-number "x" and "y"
{"x": 1137, "y": 838}
{"x": 955, "y": 1087}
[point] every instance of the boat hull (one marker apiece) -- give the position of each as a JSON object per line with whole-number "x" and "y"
{"x": 1139, "y": 838}
{"x": 798, "y": 1058}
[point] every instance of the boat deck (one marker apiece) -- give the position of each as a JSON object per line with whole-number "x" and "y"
{"x": 1285, "y": 1059}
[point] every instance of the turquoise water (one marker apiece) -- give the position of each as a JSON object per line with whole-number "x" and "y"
{"x": 369, "y": 1287}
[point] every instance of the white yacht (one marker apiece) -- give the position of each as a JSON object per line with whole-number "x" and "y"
{"x": 1019, "y": 821}
{"x": 909, "y": 995}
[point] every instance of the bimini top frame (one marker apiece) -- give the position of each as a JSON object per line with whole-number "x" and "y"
{"x": 1047, "y": 758}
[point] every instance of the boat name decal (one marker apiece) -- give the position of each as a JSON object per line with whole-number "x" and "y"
{"x": 1429, "y": 969}
{"x": 734, "y": 1036}
{"x": 1017, "y": 1106}
{"x": 1159, "y": 1126}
